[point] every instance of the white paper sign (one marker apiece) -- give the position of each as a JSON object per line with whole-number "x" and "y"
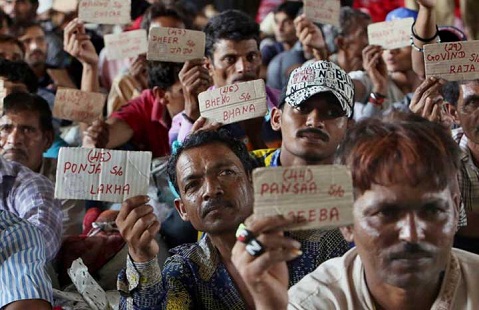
{"x": 175, "y": 45}
{"x": 321, "y": 195}
{"x": 323, "y": 11}
{"x": 77, "y": 105}
{"x": 105, "y": 11}
{"x": 235, "y": 102}
{"x": 65, "y": 6}
{"x": 392, "y": 34}
{"x": 454, "y": 61}
{"x": 126, "y": 44}
{"x": 101, "y": 174}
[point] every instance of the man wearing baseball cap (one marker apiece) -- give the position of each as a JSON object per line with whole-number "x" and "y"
{"x": 315, "y": 111}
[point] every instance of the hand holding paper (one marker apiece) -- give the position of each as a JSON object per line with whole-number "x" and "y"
{"x": 139, "y": 226}
{"x": 78, "y": 44}
{"x": 427, "y": 100}
{"x": 194, "y": 79}
{"x": 310, "y": 35}
{"x": 375, "y": 66}
{"x": 96, "y": 135}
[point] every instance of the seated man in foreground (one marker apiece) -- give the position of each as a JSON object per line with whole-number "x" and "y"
{"x": 405, "y": 218}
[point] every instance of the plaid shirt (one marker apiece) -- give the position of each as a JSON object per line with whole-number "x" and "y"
{"x": 469, "y": 176}
{"x": 29, "y": 195}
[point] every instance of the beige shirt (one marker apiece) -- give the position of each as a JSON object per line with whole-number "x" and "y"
{"x": 340, "y": 284}
{"x": 123, "y": 89}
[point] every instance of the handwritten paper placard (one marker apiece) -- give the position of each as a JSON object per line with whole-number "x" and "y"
{"x": 321, "y": 195}
{"x": 65, "y": 6}
{"x": 323, "y": 11}
{"x": 235, "y": 102}
{"x": 455, "y": 61}
{"x": 101, "y": 174}
{"x": 126, "y": 44}
{"x": 392, "y": 34}
{"x": 176, "y": 45}
{"x": 77, "y": 105}
{"x": 105, "y": 11}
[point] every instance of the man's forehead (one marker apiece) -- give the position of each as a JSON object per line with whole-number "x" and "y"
{"x": 33, "y": 31}
{"x": 227, "y": 46}
{"x": 206, "y": 156}
{"x": 22, "y": 117}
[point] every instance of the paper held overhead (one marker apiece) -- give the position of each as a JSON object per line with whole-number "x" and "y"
{"x": 101, "y": 174}
{"x": 323, "y": 11}
{"x": 110, "y": 12}
{"x": 235, "y": 102}
{"x": 77, "y": 105}
{"x": 322, "y": 196}
{"x": 392, "y": 34}
{"x": 454, "y": 61}
{"x": 175, "y": 45}
{"x": 126, "y": 44}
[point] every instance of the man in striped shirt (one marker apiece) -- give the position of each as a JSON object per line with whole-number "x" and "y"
{"x": 24, "y": 283}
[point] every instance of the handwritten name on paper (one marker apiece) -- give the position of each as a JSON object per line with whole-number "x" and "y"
{"x": 175, "y": 45}
{"x": 235, "y": 102}
{"x": 323, "y": 11}
{"x": 455, "y": 61}
{"x": 126, "y": 44}
{"x": 392, "y": 34}
{"x": 105, "y": 11}
{"x": 101, "y": 174}
{"x": 77, "y": 105}
{"x": 321, "y": 195}
{"x": 65, "y": 6}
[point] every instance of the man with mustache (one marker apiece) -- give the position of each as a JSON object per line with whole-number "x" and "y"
{"x": 405, "y": 217}
{"x": 232, "y": 56}
{"x": 33, "y": 37}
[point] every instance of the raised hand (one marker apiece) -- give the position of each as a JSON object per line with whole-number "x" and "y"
{"x": 194, "y": 78}
{"x": 78, "y": 44}
{"x": 96, "y": 135}
{"x": 374, "y": 65}
{"x": 139, "y": 226}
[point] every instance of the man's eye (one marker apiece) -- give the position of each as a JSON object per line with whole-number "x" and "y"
{"x": 252, "y": 57}
{"x": 230, "y": 59}
{"x": 227, "y": 172}
{"x": 190, "y": 186}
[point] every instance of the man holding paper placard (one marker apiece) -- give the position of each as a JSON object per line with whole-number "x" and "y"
{"x": 388, "y": 75}
{"x": 232, "y": 56}
{"x": 404, "y": 226}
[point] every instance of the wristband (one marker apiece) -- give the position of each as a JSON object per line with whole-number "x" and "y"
{"x": 377, "y": 99}
{"x": 424, "y": 40}
{"x": 189, "y": 119}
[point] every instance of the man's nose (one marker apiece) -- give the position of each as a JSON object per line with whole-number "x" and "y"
{"x": 213, "y": 188}
{"x": 242, "y": 65}
{"x": 314, "y": 119}
{"x": 411, "y": 228}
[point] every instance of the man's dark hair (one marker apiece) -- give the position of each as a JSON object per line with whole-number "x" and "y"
{"x": 230, "y": 25}
{"x": 12, "y": 40}
{"x": 450, "y": 92}
{"x": 163, "y": 74}
{"x": 205, "y": 137}
{"x": 348, "y": 19}
{"x": 160, "y": 9}
{"x": 4, "y": 18}
{"x": 19, "y": 29}
{"x": 19, "y": 72}
{"x": 22, "y": 101}
{"x": 289, "y": 8}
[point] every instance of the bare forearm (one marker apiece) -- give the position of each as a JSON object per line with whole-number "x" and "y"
{"x": 425, "y": 27}
{"x": 89, "y": 81}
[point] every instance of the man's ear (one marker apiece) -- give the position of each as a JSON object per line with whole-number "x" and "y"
{"x": 340, "y": 42}
{"x": 160, "y": 95}
{"x": 208, "y": 64}
{"x": 276, "y": 118}
{"x": 180, "y": 207}
{"x": 49, "y": 137}
{"x": 348, "y": 233}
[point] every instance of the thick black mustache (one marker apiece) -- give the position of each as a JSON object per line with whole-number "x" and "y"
{"x": 322, "y": 135}
{"x": 411, "y": 250}
{"x": 214, "y": 203}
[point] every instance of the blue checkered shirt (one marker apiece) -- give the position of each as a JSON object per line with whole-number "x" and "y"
{"x": 22, "y": 261}
{"x": 29, "y": 196}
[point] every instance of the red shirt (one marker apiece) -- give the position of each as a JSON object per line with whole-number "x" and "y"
{"x": 144, "y": 115}
{"x": 378, "y": 9}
